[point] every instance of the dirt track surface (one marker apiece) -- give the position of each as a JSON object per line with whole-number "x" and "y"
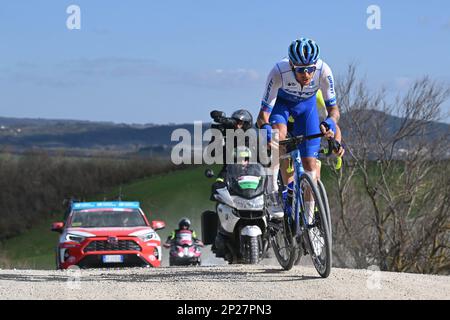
{"x": 219, "y": 282}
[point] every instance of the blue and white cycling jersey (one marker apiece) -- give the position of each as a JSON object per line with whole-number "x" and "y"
{"x": 282, "y": 82}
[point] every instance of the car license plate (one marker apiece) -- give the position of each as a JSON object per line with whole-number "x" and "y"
{"x": 113, "y": 259}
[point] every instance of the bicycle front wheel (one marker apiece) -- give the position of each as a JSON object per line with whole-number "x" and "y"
{"x": 316, "y": 231}
{"x": 326, "y": 206}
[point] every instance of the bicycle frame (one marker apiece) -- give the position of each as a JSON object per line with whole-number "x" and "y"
{"x": 299, "y": 237}
{"x": 297, "y": 203}
{"x": 297, "y": 199}
{"x": 295, "y": 157}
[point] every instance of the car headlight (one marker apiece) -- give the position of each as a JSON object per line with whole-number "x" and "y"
{"x": 147, "y": 236}
{"x": 74, "y": 238}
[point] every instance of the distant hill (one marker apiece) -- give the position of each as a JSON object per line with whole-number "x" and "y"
{"x": 393, "y": 123}
{"x": 27, "y": 126}
{"x": 24, "y": 134}
{"x": 429, "y": 133}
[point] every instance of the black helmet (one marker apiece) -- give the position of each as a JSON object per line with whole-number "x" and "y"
{"x": 244, "y": 116}
{"x": 184, "y": 222}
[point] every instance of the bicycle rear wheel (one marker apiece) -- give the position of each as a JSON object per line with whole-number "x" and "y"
{"x": 282, "y": 239}
{"x": 316, "y": 235}
{"x": 283, "y": 243}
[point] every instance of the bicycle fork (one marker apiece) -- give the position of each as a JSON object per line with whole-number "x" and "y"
{"x": 299, "y": 222}
{"x": 297, "y": 205}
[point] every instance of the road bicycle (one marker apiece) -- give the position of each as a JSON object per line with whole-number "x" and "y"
{"x": 301, "y": 232}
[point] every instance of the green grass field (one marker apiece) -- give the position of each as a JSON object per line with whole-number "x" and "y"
{"x": 166, "y": 197}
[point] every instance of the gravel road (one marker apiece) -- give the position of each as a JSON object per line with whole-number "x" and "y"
{"x": 219, "y": 282}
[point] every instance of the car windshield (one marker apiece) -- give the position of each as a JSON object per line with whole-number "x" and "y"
{"x": 107, "y": 218}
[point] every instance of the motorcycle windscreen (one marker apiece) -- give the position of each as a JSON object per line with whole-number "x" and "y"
{"x": 184, "y": 238}
{"x": 246, "y": 181}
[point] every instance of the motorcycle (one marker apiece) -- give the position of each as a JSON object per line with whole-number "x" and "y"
{"x": 184, "y": 250}
{"x": 237, "y": 228}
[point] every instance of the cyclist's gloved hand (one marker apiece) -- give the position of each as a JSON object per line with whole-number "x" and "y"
{"x": 268, "y": 127}
{"x": 328, "y": 125}
{"x": 338, "y": 149}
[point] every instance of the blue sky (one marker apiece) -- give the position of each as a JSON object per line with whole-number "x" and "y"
{"x": 147, "y": 61}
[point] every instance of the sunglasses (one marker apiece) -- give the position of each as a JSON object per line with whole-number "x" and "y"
{"x": 308, "y": 69}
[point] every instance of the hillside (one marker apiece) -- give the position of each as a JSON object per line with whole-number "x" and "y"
{"x": 22, "y": 134}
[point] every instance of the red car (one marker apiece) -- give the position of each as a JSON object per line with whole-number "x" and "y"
{"x": 108, "y": 234}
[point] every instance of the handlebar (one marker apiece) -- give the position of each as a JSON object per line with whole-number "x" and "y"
{"x": 333, "y": 144}
{"x": 299, "y": 139}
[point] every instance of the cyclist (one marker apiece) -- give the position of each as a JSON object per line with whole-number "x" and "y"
{"x": 321, "y": 109}
{"x": 291, "y": 91}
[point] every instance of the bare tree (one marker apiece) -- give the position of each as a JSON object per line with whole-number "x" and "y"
{"x": 34, "y": 185}
{"x": 393, "y": 192}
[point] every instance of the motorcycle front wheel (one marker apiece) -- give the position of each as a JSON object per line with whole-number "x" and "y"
{"x": 251, "y": 249}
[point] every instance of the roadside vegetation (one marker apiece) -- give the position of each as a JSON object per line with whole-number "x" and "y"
{"x": 392, "y": 199}
{"x": 165, "y": 196}
{"x": 33, "y": 186}
{"x": 390, "y": 202}
{"x": 185, "y": 193}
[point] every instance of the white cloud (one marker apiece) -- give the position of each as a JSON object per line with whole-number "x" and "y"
{"x": 446, "y": 26}
{"x": 71, "y": 72}
{"x": 228, "y": 77}
{"x": 424, "y": 21}
{"x": 131, "y": 67}
{"x": 43, "y": 80}
{"x": 403, "y": 83}
{"x": 34, "y": 74}
{"x": 113, "y": 66}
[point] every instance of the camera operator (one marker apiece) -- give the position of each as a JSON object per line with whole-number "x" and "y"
{"x": 240, "y": 119}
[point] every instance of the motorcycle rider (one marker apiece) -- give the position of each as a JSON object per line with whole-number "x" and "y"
{"x": 243, "y": 119}
{"x": 183, "y": 225}
{"x": 235, "y": 175}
